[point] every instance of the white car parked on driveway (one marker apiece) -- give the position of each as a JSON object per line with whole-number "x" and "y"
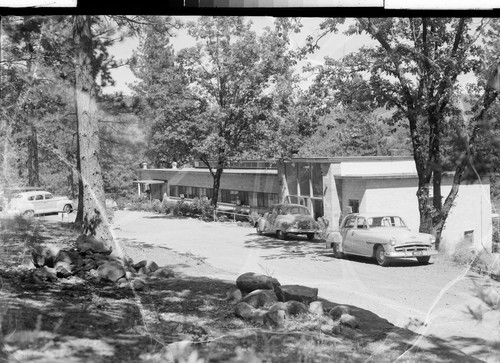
{"x": 380, "y": 236}
{"x": 38, "y": 202}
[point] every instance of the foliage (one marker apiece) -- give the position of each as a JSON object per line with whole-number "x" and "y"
{"x": 413, "y": 68}
{"x": 201, "y": 208}
{"x": 218, "y": 101}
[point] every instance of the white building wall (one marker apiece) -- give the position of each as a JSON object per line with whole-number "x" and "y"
{"x": 386, "y": 167}
{"x": 471, "y": 212}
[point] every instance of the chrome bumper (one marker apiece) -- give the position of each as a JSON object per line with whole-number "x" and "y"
{"x": 410, "y": 254}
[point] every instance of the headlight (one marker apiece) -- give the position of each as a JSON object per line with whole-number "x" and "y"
{"x": 393, "y": 241}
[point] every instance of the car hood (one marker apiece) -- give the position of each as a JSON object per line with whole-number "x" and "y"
{"x": 403, "y": 235}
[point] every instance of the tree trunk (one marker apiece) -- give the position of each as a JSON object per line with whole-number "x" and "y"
{"x": 33, "y": 165}
{"x": 216, "y": 176}
{"x": 95, "y": 219}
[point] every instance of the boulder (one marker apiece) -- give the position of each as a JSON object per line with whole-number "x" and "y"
{"x": 243, "y": 310}
{"x": 111, "y": 271}
{"x": 44, "y": 255}
{"x": 279, "y": 306}
{"x": 316, "y": 308}
{"x": 44, "y": 273}
{"x": 260, "y": 298}
{"x": 233, "y": 295}
{"x": 349, "y": 320}
{"x": 88, "y": 264}
{"x": 63, "y": 269}
{"x": 73, "y": 259}
{"x": 138, "y": 284}
{"x": 251, "y": 281}
{"x": 86, "y": 244}
{"x": 299, "y": 293}
{"x": 275, "y": 318}
{"x": 295, "y": 308}
{"x": 258, "y": 316}
{"x": 338, "y": 311}
{"x": 163, "y": 272}
{"x": 149, "y": 266}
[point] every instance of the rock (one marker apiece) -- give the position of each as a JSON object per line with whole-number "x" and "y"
{"x": 163, "y": 272}
{"x": 129, "y": 275}
{"x": 86, "y": 243}
{"x": 260, "y": 298}
{"x": 63, "y": 269}
{"x": 349, "y": 320}
{"x": 258, "y": 316}
{"x": 234, "y": 295}
{"x": 316, "y": 308}
{"x": 44, "y": 256}
{"x": 328, "y": 327}
{"x": 299, "y": 293}
{"x": 251, "y": 281}
{"x": 44, "y": 273}
{"x": 279, "y": 306}
{"x": 275, "y": 318}
{"x": 72, "y": 259}
{"x": 111, "y": 271}
{"x": 338, "y": 311}
{"x": 296, "y": 308}
{"x": 88, "y": 264}
{"x": 142, "y": 271}
{"x": 243, "y": 310}
{"x": 149, "y": 266}
{"x": 138, "y": 284}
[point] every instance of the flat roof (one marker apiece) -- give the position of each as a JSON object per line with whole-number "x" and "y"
{"x": 226, "y": 171}
{"x": 338, "y": 159}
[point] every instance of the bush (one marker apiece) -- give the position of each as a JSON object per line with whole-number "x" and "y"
{"x": 197, "y": 208}
{"x": 480, "y": 261}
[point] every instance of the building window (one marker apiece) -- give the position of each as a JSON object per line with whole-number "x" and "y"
{"x": 354, "y": 204}
{"x": 291, "y": 177}
{"x": 317, "y": 180}
{"x": 304, "y": 179}
{"x": 469, "y": 236}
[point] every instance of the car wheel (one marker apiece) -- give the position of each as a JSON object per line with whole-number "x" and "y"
{"x": 281, "y": 235}
{"x": 423, "y": 259}
{"x": 29, "y": 213}
{"x": 67, "y": 208}
{"x": 382, "y": 259}
{"x": 336, "y": 251}
{"x": 310, "y": 236}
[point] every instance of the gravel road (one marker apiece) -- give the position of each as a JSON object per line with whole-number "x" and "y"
{"x": 434, "y": 299}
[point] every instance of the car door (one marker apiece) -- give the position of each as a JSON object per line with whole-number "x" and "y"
{"x": 50, "y": 203}
{"x": 38, "y": 203}
{"x": 359, "y": 237}
{"x": 346, "y": 230}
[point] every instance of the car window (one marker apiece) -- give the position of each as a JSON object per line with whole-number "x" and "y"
{"x": 17, "y": 196}
{"x": 48, "y": 196}
{"x": 361, "y": 223}
{"x": 31, "y": 197}
{"x": 39, "y": 197}
{"x": 349, "y": 223}
{"x": 386, "y": 221}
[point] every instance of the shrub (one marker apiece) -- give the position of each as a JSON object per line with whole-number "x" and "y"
{"x": 253, "y": 217}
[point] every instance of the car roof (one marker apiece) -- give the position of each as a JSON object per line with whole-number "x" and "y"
{"x": 372, "y": 214}
{"x": 288, "y": 205}
{"x": 34, "y": 192}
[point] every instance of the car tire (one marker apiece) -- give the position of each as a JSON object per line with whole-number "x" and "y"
{"x": 281, "y": 235}
{"x": 310, "y": 236}
{"x": 336, "y": 251}
{"x": 29, "y": 213}
{"x": 382, "y": 259}
{"x": 423, "y": 260}
{"x": 67, "y": 208}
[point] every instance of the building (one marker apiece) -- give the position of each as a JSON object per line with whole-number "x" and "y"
{"x": 331, "y": 187}
{"x": 253, "y": 185}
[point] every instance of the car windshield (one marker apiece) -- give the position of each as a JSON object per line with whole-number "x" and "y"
{"x": 297, "y": 210}
{"x": 386, "y": 221}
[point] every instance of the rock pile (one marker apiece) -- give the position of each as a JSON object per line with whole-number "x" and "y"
{"x": 91, "y": 258}
{"x": 263, "y": 300}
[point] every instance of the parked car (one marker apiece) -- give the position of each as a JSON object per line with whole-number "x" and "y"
{"x": 284, "y": 219}
{"x": 38, "y": 202}
{"x": 380, "y": 236}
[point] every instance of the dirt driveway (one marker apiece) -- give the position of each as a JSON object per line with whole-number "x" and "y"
{"x": 434, "y": 300}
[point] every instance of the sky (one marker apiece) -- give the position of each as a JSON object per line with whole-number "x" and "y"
{"x": 333, "y": 45}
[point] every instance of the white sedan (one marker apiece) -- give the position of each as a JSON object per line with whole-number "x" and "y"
{"x": 381, "y": 236}
{"x": 38, "y": 202}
